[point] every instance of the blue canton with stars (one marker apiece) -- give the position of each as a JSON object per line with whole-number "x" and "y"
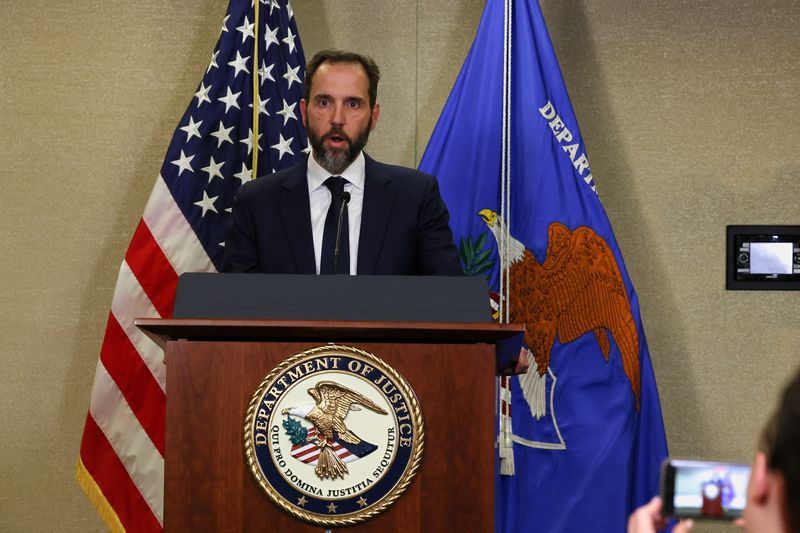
{"x": 210, "y": 155}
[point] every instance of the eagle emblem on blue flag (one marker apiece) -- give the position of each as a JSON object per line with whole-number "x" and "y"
{"x": 576, "y": 290}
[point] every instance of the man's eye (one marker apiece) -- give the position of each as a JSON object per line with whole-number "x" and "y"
{"x": 353, "y": 104}
{"x": 323, "y": 102}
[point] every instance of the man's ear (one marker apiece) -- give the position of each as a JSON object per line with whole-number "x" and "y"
{"x": 303, "y": 110}
{"x": 760, "y": 480}
{"x": 375, "y": 112}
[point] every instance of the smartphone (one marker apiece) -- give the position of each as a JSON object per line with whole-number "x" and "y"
{"x": 703, "y": 489}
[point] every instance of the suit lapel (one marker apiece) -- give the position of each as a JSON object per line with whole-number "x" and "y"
{"x": 377, "y": 207}
{"x": 295, "y": 210}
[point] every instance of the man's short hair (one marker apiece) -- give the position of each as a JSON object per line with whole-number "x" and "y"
{"x": 341, "y": 56}
{"x": 781, "y": 444}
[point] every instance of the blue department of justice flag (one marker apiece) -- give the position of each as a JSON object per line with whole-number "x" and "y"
{"x": 182, "y": 229}
{"x": 582, "y": 432}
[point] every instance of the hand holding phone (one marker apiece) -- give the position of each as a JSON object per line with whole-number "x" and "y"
{"x": 648, "y": 519}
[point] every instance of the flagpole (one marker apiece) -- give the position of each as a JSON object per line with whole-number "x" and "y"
{"x": 505, "y": 178}
{"x": 256, "y": 95}
{"x": 506, "y": 445}
{"x": 503, "y": 208}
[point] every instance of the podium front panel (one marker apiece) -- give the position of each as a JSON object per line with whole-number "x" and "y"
{"x": 209, "y": 487}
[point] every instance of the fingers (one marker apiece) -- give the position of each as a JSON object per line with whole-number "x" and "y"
{"x": 522, "y": 363}
{"x": 647, "y": 518}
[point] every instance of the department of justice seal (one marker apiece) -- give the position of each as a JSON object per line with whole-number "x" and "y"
{"x": 334, "y": 435}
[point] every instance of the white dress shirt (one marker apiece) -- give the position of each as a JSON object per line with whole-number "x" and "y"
{"x": 319, "y": 198}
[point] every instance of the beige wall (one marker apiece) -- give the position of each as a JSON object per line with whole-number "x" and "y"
{"x": 689, "y": 110}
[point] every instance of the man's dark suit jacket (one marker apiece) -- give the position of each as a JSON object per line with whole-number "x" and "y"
{"x": 404, "y": 225}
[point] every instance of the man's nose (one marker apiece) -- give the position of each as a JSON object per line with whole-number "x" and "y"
{"x": 338, "y": 114}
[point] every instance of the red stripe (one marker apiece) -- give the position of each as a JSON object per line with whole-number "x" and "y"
{"x": 137, "y": 384}
{"x": 109, "y": 473}
{"x": 152, "y": 269}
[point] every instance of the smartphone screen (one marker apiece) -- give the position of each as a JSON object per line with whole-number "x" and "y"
{"x": 704, "y": 489}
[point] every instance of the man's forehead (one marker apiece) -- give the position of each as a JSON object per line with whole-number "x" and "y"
{"x": 340, "y": 76}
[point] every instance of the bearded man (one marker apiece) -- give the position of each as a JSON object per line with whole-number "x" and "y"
{"x": 340, "y": 211}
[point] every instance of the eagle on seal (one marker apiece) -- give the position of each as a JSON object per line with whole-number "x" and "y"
{"x": 578, "y": 289}
{"x": 333, "y": 403}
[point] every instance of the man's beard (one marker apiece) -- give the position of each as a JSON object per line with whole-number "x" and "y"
{"x": 336, "y": 160}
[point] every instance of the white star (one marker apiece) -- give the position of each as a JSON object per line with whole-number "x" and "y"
{"x": 271, "y": 37}
{"x": 222, "y": 134}
{"x": 230, "y": 100}
{"x": 262, "y": 106}
{"x": 289, "y": 39}
{"x": 192, "y": 129}
{"x": 240, "y": 64}
{"x": 307, "y": 150}
{"x": 289, "y": 10}
{"x": 213, "y": 63}
{"x": 291, "y": 75}
{"x": 246, "y": 29}
{"x": 202, "y": 94}
{"x": 245, "y": 175}
{"x": 184, "y": 163}
{"x": 283, "y": 146}
{"x": 213, "y": 170}
{"x": 249, "y": 141}
{"x": 224, "y": 24}
{"x": 287, "y": 112}
{"x": 207, "y": 204}
{"x": 272, "y": 5}
{"x": 265, "y": 72}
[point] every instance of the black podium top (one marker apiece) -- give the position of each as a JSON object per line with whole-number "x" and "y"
{"x": 333, "y": 297}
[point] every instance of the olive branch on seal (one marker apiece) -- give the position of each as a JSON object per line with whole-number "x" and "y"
{"x": 297, "y": 433}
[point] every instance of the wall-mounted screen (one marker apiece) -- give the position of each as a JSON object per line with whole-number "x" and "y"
{"x": 763, "y": 258}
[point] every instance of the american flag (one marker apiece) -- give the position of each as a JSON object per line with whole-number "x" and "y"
{"x": 121, "y": 462}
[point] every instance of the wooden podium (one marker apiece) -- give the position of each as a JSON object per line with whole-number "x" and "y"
{"x": 215, "y": 366}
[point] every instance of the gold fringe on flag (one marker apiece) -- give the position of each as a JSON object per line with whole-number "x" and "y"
{"x": 95, "y": 495}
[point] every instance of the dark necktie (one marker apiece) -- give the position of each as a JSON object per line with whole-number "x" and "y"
{"x": 336, "y": 185}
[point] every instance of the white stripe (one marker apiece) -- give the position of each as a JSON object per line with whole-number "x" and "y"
{"x": 130, "y": 302}
{"x": 173, "y": 233}
{"x": 128, "y": 439}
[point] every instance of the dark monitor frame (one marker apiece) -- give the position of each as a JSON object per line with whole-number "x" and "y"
{"x": 734, "y": 281}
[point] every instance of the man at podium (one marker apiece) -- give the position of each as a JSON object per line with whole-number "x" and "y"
{"x": 340, "y": 211}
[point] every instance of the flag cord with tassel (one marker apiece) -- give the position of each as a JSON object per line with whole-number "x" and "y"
{"x": 506, "y": 445}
